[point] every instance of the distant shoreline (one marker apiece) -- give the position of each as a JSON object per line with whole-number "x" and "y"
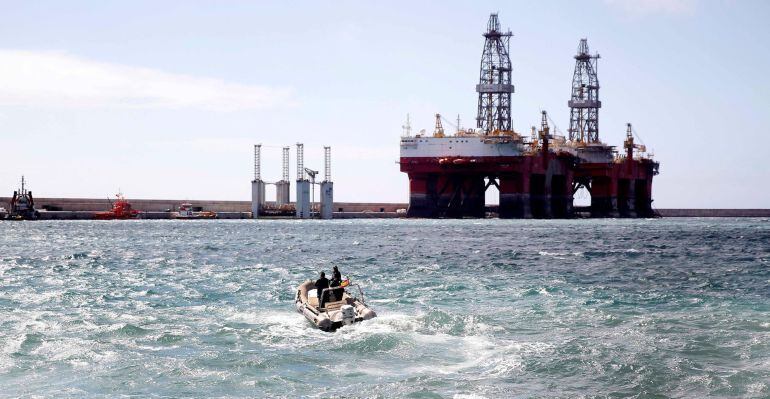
{"x": 735, "y": 213}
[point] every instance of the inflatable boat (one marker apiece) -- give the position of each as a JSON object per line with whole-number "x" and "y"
{"x": 345, "y": 305}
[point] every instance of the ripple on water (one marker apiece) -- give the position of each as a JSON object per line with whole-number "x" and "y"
{"x": 467, "y": 308}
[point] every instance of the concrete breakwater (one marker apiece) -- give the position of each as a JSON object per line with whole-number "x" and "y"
{"x": 89, "y": 215}
{"x": 730, "y": 213}
{"x": 168, "y": 205}
{"x": 84, "y": 208}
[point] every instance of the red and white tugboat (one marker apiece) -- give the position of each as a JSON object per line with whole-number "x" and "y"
{"x": 121, "y": 209}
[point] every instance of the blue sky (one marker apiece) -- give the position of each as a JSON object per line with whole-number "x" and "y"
{"x": 165, "y": 99}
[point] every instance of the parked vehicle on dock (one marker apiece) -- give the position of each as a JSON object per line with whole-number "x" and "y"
{"x": 344, "y": 307}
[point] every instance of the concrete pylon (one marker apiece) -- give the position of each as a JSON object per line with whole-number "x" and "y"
{"x": 282, "y": 192}
{"x": 257, "y": 185}
{"x": 303, "y": 185}
{"x": 257, "y": 197}
{"x": 327, "y": 200}
{"x": 327, "y": 187}
{"x": 303, "y": 199}
{"x": 283, "y": 187}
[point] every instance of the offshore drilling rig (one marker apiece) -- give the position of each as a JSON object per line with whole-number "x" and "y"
{"x": 536, "y": 176}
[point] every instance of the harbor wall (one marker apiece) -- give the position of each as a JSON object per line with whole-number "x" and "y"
{"x": 84, "y": 208}
{"x": 163, "y": 205}
{"x": 733, "y": 213}
{"x": 89, "y": 215}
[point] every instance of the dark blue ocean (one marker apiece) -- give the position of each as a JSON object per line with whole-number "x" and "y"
{"x": 467, "y": 308}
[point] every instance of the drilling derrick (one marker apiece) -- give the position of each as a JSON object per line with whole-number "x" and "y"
{"x": 584, "y": 104}
{"x": 495, "y": 88}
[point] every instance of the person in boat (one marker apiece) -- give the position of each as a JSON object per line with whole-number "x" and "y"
{"x": 321, "y": 284}
{"x": 336, "y": 281}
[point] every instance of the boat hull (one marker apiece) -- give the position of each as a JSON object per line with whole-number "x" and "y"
{"x": 348, "y": 310}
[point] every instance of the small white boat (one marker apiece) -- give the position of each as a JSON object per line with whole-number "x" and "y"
{"x": 343, "y": 308}
{"x": 186, "y": 212}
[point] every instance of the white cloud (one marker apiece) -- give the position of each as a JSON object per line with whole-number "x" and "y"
{"x": 56, "y": 79}
{"x": 647, "y": 7}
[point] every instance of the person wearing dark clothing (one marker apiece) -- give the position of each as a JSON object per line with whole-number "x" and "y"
{"x": 321, "y": 284}
{"x": 336, "y": 291}
{"x": 336, "y": 281}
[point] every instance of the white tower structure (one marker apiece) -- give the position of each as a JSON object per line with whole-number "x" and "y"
{"x": 257, "y": 185}
{"x": 327, "y": 187}
{"x": 303, "y": 185}
{"x": 282, "y": 187}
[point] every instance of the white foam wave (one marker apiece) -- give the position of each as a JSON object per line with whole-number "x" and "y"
{"x": 280, "y": 329}
{"x": 13, "y": 344}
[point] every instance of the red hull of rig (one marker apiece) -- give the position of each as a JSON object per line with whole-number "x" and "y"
{"x": 530, "y": 186}
{"x": 538, "y": 185}
{"x": 622, "y": 189}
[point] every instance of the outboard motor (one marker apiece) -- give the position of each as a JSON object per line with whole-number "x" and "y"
{"x": 348, "y": 315}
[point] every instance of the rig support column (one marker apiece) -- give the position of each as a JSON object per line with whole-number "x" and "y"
{"x": 604, "y": 196}
{"x": 540, "y": 195}
{"x": 422, "y": 188}
{"x": 460, "y": 195}
{"x": 303, "y": 186}
{"x": 626, "y": 197}
{"x": 514, "y": 196}
{"x": 561, "y": 195}
{"x": 327, "y": 187}
{"x": 257, "y": 185}
{"x": 643, "y": 194}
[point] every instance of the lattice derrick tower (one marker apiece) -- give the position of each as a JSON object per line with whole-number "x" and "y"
{"x": 495, "y": 88}
{"x": 584, "y": 104}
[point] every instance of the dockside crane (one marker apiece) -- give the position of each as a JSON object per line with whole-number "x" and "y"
{"x": 312, "y": 173}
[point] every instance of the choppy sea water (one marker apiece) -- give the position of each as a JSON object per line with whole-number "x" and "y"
{"x": 467, "y": 308}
